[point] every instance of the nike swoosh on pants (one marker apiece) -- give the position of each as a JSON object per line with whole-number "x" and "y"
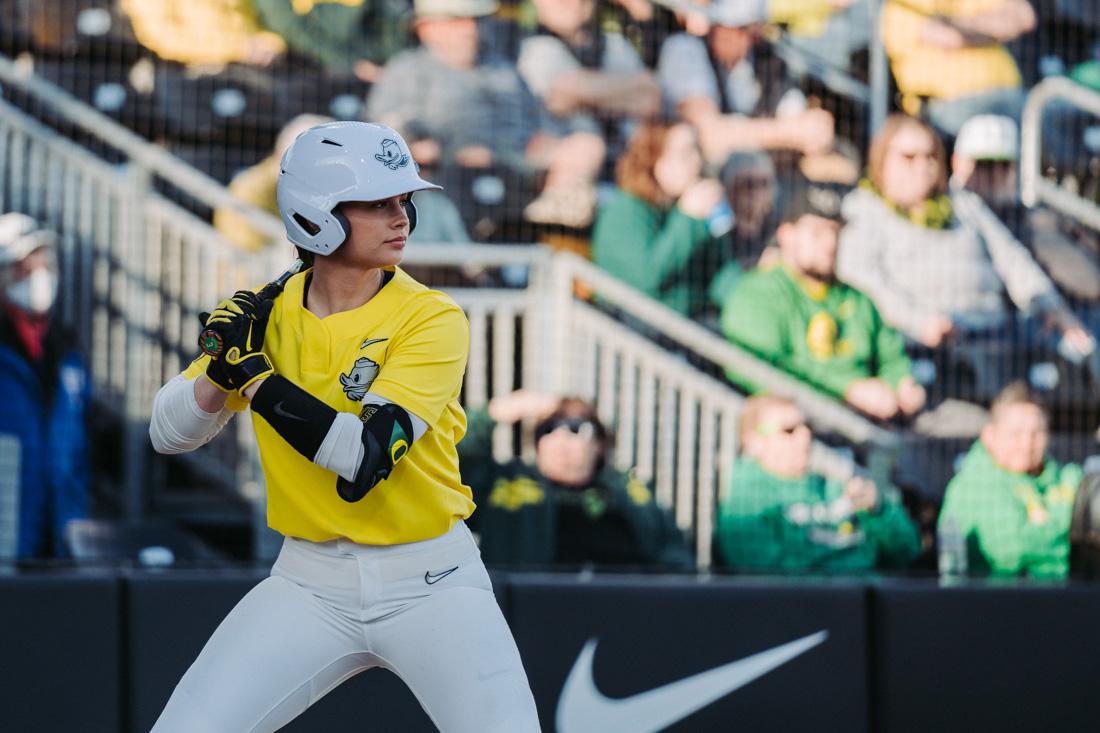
{"x": 583, "y": 708}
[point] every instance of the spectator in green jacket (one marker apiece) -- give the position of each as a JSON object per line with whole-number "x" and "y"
{"x": 342, "y": 36}
{"x": 1011, "y": 501}
{"x": 779, "y": 516}
{"x": 570, "y": 507}
{"x": 797, "y": 316}
{"x": 653, "y": 232}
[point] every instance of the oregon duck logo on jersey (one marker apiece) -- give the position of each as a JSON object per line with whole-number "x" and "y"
{"x": 361, "y": 375}
{"x": 359, "y": 378}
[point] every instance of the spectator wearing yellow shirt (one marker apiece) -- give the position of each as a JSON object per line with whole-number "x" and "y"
{"x": 204, "y": 32}
{"x": 949, "y": 58}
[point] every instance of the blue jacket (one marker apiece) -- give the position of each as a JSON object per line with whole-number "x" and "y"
{"x": 46, "y": 414}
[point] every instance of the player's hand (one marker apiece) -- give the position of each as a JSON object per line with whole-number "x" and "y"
{"x": 240, "y": 322}
{"x": 872, "y": 397}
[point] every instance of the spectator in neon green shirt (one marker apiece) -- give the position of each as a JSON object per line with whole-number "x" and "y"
{"x": 1011, "y": 501}
{"x": 797, "y": 316}
{"x": 777, "y": 515}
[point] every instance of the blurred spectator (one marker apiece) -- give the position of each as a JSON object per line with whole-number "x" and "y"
{"x": 471, "y": 114}
{"x": 949, "y": 59}
{"x": 256, "y": 186}
{"x": 798, "y": 317}
{"x": 779, "y": 515}
{"x": 831, "y": 31}
{"x": 984, "y": 160}
{"x": 46, "y": 391}
{"x": 571, "y": 507}
{"x": 653, "y": 233}
{"x": 1010, "y": 501}
{"x": 592, "y": 82}
{"x": 341, "y": 36}
{"x": 734, "y": 89}
{"x": 204, "y": 32}
{"x": 752, "y": 191}
{"x": 439, "y": 220}
{"x": 938, "y": 262}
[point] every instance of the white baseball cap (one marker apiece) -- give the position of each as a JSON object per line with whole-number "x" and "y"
{"x": 737, "y": 13}
{"x": 20, "y": 235}
{"x": 988, "y": 137}
{"x": 454, "y": 8}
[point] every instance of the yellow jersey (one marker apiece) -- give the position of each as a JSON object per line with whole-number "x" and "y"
{"x": 408, "y": 344}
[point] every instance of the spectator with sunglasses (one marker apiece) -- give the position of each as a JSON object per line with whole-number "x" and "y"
{"x": 570, "y": 507}
{"x": 778, "y": 515}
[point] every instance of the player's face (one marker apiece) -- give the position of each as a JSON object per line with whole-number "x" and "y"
{"x": 378, "y": 232}
{"x": 1017, "y": 438}
{"x": 569, "y": 452}
{"x": 781, "y": 442}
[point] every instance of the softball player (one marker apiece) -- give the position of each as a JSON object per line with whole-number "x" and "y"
{"x": 353, "y": 378}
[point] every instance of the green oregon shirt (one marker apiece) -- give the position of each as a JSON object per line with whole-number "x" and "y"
{"x": 778, "y": 524}
{"x": 993, "y": 508}
{"x": 827, "y": 336}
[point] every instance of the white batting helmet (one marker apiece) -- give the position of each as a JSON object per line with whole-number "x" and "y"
{"x": 337, "y": 162}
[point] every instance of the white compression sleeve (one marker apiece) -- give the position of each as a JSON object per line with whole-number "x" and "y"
{"x": 342, "y": 449}
{"x": 178, "y": 424}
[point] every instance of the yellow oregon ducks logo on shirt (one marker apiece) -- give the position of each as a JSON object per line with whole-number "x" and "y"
{"x": 821, "y": 335}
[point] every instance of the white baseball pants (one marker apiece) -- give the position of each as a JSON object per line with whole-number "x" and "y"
{"x": 423, "y": 610}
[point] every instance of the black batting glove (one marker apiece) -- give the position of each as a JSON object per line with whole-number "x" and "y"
{"x": 240, "y": 323}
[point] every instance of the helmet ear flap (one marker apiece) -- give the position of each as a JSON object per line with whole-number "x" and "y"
{"x": 410, "y": 211}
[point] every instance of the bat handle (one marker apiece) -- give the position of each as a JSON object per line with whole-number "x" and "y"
{"x": 210, "y": 341}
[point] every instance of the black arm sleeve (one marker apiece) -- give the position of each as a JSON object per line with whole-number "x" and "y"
{"x": 301, "y": 419}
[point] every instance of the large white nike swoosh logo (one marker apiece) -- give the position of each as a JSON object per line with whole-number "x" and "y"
{"x": 584, "y": 709}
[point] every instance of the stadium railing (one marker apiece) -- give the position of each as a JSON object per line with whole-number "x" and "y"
{"x": 137, "y": 269}
{"x": 1034, "y": 187}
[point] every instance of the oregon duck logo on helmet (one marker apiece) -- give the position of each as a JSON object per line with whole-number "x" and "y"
{"x": 391, "y": 155}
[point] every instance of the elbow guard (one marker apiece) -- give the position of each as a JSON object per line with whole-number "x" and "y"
{"x": 387, "y": 435}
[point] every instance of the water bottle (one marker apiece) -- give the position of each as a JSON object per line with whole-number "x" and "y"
{"x": 952, "y": 549}
{"x": 721, "y": 219}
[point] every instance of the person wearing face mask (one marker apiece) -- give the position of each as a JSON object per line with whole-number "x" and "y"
{"x": 1012, "y": 502}
{"x": 46, "y": 391}
{"x": 570, "y": 507}
{"x": 778, "y": 515}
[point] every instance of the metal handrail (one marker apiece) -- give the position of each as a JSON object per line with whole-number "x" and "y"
{"x": 1034, "y": 188}
{"x": 825, "y": 413}
{"x": 141, "y": 152}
